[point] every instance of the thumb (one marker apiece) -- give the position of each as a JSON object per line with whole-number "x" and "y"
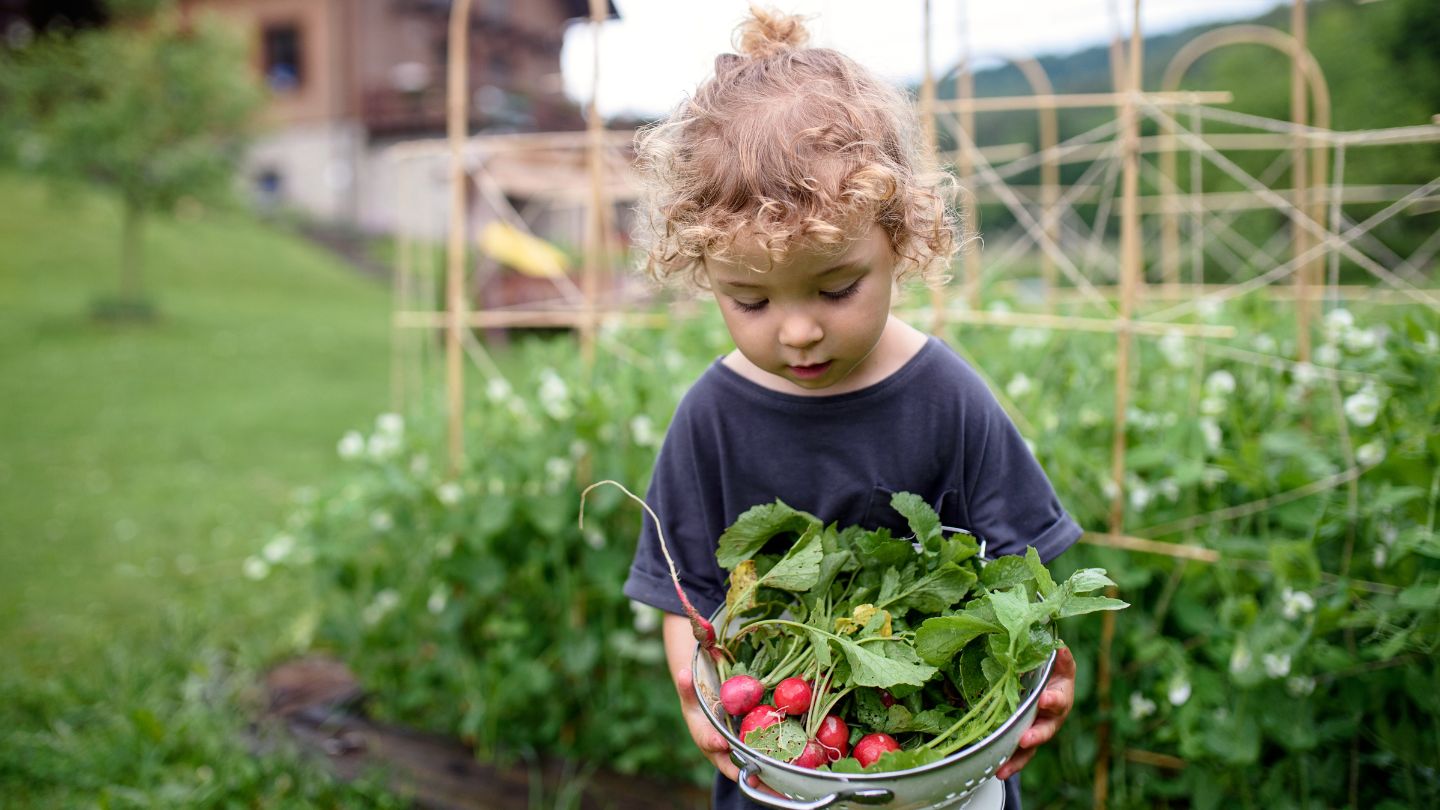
{"x": 685, "y": 685}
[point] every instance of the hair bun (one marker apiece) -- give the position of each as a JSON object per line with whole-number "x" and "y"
{"x": 768, "y": 32}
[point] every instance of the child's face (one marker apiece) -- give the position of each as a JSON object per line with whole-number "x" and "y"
{"x": 812, "y": 320}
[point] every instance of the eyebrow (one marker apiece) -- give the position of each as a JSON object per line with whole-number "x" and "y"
{"x": 851, "y": 265}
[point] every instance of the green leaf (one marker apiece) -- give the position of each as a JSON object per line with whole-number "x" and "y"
{"x": 922, "y": 519}
{"x": 1043, "y": 581}
{"x": 936, "y": 591}
{"x": 1077, "y": 605}
{"x": 1086, "y": 580}
{"x": 783, "y": 741}
{"x": 878, "y": 550}
{"x": 1012, "y": 610}
{"x": 869, "y": 668}
{"x": 799, "y": 569}
{"x": 1005, "y": 572}
{"x": 904, "y": 760}
{"x": 939, "y": 639}
{"x": 753, "y": 529}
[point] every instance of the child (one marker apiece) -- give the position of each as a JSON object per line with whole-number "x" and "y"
{"x": 790, "y": 187}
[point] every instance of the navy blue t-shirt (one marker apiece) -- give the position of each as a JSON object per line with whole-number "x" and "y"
{"x": 932, "y": 428}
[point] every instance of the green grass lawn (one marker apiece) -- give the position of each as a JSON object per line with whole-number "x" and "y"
{"x": 139, "y": 466}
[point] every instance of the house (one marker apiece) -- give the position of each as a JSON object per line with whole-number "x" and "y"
{"x": 350, "y": 77}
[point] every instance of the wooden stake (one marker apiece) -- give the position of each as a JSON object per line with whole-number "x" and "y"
{"x": 1300, "y": 172}
{"x": 964, "y": 93}
{"x": 1130, "y": 269}
{"x": 457, "y": 92}
{"x": 595, "y": 222}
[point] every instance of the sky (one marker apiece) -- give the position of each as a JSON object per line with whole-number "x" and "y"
{"x": 658, "y": 50}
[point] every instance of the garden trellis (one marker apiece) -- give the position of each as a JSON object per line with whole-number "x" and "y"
{"x": 1193, "y": 227}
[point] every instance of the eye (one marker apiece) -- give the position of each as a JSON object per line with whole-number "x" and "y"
{"x": 841, "y": 295}
{"x": 745, "y": 306}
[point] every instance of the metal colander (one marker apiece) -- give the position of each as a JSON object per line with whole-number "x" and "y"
{"x": 965, "y": 779}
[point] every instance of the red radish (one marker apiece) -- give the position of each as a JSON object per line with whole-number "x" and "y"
{"x": 703, "y": 629}
{"x": 740, "y": 694}
{"x": 871, "y": 746}
{"x": 792, "y": 696}
{"x": 760, "y": 717}
{"x": 812, "y": 757}
{"x": 885, "y": 699}
{"x": 834, "y": 737}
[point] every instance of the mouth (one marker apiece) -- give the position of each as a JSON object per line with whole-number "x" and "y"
{"x": 810, "y": 372}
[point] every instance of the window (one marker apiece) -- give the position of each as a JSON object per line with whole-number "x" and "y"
{"x": 284, "y": 71}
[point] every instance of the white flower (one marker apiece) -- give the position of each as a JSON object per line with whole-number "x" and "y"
{"x": 391, "y": 424}
{"x": 1370, "y": 453}
{"x": 1277, "y": 665}
{"x": 1362, "y": 407}
{"x": 1300, "y": 685}
{"x": 1336, "y": 323}
{"x": 1379, "y": 555}
{"x": 1174, "y": 348}
{"x": 1327, "y": 355}
{"x": 1141, "y": 707}
{"x": 1019, "y": 386}
{"x": 449, "y": 493}
{"x": 495, "y": 486}
{"x": 1265, "y": 344}
{"x": 445, "y": 547}
{"x": 381, "y": 521}
{"x": 437, "y": 601}
{"x": 1109, "y": 488}
{"x": 557, "y": 472}
{"x": 256, "y": 568}
{"x": 278, "y": 548}
{"x": 642, "y": 428}
{"x": 1431, "y": 344}
{"x": 1305, "y": 375}
{"x": 351, "y": 446}
{"x": 1220, "y": 383}
{"x": 1140, "y": 497}
{"x": 1361, "y": 340}
{"x": 647, "y": 618}
{"x": 383, "y": 445}
{"x": 578, "y": 449}
{"x": 555, "y": 395}
{"x": 1239, "y": 659}
{"x": 1209, "y": 309}
{"x": 1212, "y": 434}
{"x": 1026, "y": 338}
{"x": 1294, "y": 603}
{"x": 1089, "y": 417}
{"x": 498, "y": 389}
{"x": 384, "y": 602}
{"x": 1179, "y": 690}
{"x": 594, "y": 538}
{"x": 1212, "y": 406}
{"x": 999, "y": 307}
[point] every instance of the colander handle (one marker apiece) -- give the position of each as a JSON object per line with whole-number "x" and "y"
{"x": 857, "y": 796}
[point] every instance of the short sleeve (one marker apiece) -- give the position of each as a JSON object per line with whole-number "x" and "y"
{"x": 676, "y": 495}
{"x": 1006, "y": 496}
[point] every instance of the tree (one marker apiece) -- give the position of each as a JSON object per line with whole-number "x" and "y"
{"x": 153, "y": 108}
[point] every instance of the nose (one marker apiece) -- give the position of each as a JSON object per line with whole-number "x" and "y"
{"x": 800, "y": 330}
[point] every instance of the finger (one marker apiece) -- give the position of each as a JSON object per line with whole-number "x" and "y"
{"x": 1019, "y": 760}
{"x": 1039, "y": 733}
{"x": 725, "y": 766}
{"x": 685, "y": 685}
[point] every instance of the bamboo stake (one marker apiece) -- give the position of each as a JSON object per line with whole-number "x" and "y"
{"x": 1065, "y": 101}
{"x": 595, "y": 222}
{"x": 964, "y": 92}
{"x": 1299, "y": 168}
{"x": 1130, "y": 269}
{"x": 932, "y": 147}
{"x": 457, "y": 91}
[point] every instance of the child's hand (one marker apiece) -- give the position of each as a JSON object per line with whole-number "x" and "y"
{"x": 1054, "y": 705}
{"x": 709, "y": 741}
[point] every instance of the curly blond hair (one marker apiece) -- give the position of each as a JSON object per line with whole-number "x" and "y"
{"x": 790, "y": 145}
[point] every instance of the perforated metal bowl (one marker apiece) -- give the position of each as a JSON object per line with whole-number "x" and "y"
{"x": 965, "y": 779}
